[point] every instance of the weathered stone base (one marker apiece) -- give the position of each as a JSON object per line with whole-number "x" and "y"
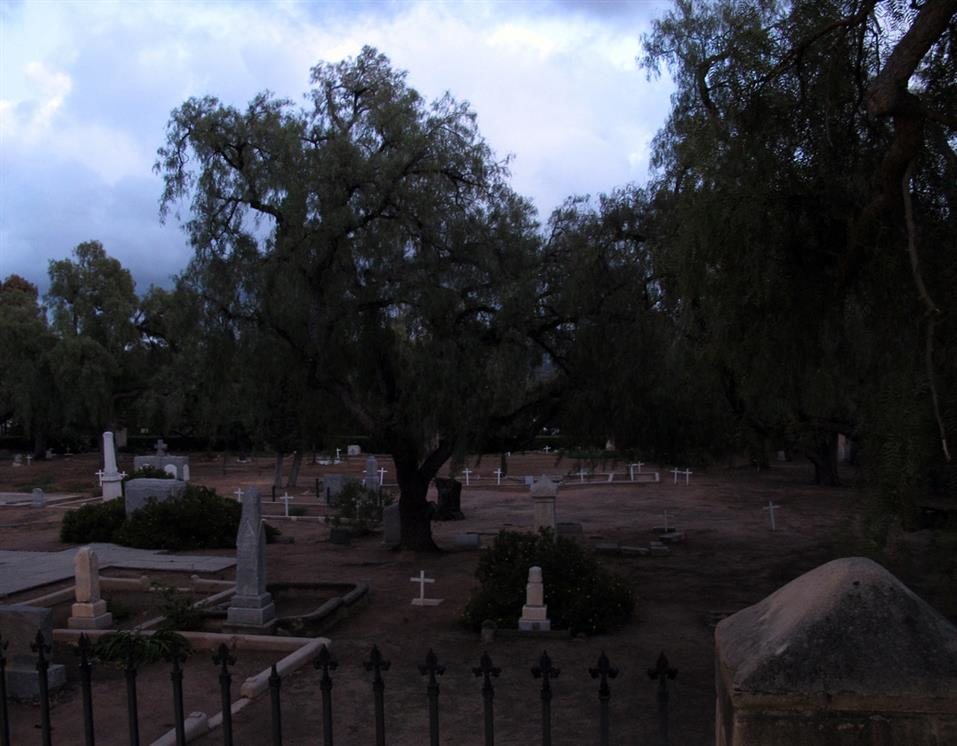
{"x": 250, "y": 612}
{"x": 90, "y": 616}
{"x": 534, "y": 625}
{"x": 24, "y": 683}
{"x": 112, "y": 489}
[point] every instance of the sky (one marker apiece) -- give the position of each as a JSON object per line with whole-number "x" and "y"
{"x": 86, "y": 90}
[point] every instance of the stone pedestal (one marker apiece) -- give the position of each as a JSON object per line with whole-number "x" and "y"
{"x": 534, "y": 612}
{"x": 543, "y": 493}
{"x": 843, "y": 654}
{"x": 90, "y": 616}
{"x": 111, "y": 479}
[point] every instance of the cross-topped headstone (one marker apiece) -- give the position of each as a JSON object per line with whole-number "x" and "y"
{"x": 546, "y": 449}
{"x": 239, "y": 494}
{"x": 382, "y": 473}
{"x": 160, "y": 447}
{"x": 467, "y": 472}
{"x": 771, "y": 507}
{"x": 422, "y": 600}
{"x": 498, "y": 476}
{"x": 286, "y": 499}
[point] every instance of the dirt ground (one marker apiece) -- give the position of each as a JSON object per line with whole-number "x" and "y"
{"x": 730, "y": 560}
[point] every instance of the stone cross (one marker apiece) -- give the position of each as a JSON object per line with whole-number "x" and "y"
{"x": 160, "y": 447}
{"x": 467, "y": 472}
{"x": 89, "y": 611}
{"x": 498, "y": 476}
{"x": 286, "y": 498}
{"x": 534, "y": 612}
{"x": 382, "y": 473}
{"x": 771, "y": 507}
{"x": 422, "y": 600}
{"x": 239, "y": 494}
{"x": 546, "y": 449}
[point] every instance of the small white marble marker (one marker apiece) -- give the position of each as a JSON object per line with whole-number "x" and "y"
{"x": 467, "y": 473}
{"x": 382, "y": 472}
{"x": 422, "y": 600}
{"x": 771, "y": 507}
{"x": 581, "y": 475}
{"x": 239, "y": 495}
{"x": 286, "y": 498}
{"x": 338, "y": 451}
{"x": 498, "y": 477}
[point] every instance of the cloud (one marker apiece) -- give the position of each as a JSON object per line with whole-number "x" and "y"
{"x": 88, "y": 87}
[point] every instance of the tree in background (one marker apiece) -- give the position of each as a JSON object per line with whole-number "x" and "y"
{"x": 805, "y": 191}
{"x": 373, "y": 238}
{"x": 26, "y": 381}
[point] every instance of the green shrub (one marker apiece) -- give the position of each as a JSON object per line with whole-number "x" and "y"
{"x": 360, "y": 507}
{"x": 178, "y": 610}
{"x": 581, "y": 595}
{"x": 148, "y": 472}
{"x": 199, "y": 519}
{"x": 128, "y": 647}
{"x": 94, "y": 522}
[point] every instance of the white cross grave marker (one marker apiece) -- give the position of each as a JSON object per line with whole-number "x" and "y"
{"x": 285, "y": 497}
{"x": 581, "y": 475}
{"x": 771, "y": 507}
{"x": 382, "y": 472}
{"x": 239, "y": 495}
{"x": 466, "y": 472}
{"x": 422, "y": 600}
{"x": 687, "y": 473}
{"x": 546, "y": 449}
{"x": 498, "y": 477}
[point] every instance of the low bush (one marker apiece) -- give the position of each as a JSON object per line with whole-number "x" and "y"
{"x": 94, "y": 522}
{"x": 359, "y": 507}
{"x": 199, "y": 519}
{"x": 148, "y": 472}
{"x": 581, "y": 595}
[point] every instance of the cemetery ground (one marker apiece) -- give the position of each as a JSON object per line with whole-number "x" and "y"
{"x": 730, "y": 559}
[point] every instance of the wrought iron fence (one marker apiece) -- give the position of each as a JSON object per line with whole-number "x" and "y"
{"x": 544, "y": 670}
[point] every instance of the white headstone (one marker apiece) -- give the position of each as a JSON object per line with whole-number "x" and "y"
{"x": 111, "y": 480}
{"x": 534, "y": 612}
{"x": 771, "y": 507}
{"x": 89, "y": 611}
{"x": 39, "y": 499}
{"x": 353, "y": 450}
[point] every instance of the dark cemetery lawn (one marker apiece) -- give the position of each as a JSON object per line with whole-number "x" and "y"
{"x": 729, "y": 560}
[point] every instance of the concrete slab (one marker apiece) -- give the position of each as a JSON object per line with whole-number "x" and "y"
{"x": 20, "y": 571}
{"x": 24, "y": 498}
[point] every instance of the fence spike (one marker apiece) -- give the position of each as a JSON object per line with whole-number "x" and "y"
{"x": 378, "y": 664}
{"x": 487, "y": 671}
{"x": 275, "y": 682}
{"x": 224, "y": 659}
{"x": 327, "y": 663}
{"x": 546, "y": 671}
{"x": 432, "y": 668}
{"x": 84, "y": 649}
{"x": 4, "y": 715}
{"x": 662, "y": 672}
{"x": 41, "y": 648}
{"x": 604, "y": 670}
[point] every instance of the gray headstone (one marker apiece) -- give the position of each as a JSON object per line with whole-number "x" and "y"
{"x": 844, "y": 653}
{"x": 39, "y": 499}
{"x": 19, "y": 625}
{"x": 139, "y": 491}
{"x": 371, "y": 479}
{"x": 252, "y": 605}
{"x": 391, "y": 526}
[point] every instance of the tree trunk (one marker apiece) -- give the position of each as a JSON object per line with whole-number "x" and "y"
{"x": 277, "y": 472}
{"x": 415, "y": 511}
{"x": 824, "y": 458}
{"x": 39, "y": 444}
{"x": 293, "y": 480}
{"x": 503, "y": 464}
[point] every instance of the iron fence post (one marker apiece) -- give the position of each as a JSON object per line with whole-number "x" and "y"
{"x": 377, "y": 664}
{"x": 432, "y": 668}
{"x": 275, "y": 682}
{"x": 325, "y": 661}
{"x": 487, "y": 671}
{"x": 40, "y": 647}
{"x": 86, "y": 686}
{"x": 179, "y": 717}
{"x": 605, "y": 671}
{"x": 545, "y": 671}
{"x": 662, "y": 672}
{"x": 4, "y": 715}
{"x": 132, "y": 711}
{"x": 224, "y": 660}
